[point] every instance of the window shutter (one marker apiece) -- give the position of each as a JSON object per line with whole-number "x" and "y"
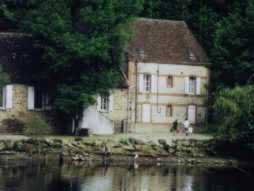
{"x": 30, "y": 98}
{"x": 187, "y": 83}
{"x": 111, "y": 102}
{"x": 154, "y": 83}
{"x": 198, "y": 86}
{"x": 98, "y": 103}
{"x": 9, "y": 97}
{"x": 141, "y": 82}
{"x": 3, "y": 97}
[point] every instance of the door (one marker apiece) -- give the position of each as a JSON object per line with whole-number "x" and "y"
{"x": 146, "y": 113}
{"x": 192, "y": 114}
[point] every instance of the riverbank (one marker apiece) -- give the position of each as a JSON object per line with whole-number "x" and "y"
{"x": 123, "y": 150}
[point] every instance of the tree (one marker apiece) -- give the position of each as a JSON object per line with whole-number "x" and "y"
{"x": 233, "y": 48}
{"x": 234, "y": 111}
{"x": 82, "y": 43}
{"x": 224, "y": 28}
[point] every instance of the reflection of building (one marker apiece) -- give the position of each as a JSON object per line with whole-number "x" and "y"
{"x": 71, "y": 178}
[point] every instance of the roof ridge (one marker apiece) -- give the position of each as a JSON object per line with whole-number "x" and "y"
{"x": 14, "y": 34}
{"x": 160, "y": 20}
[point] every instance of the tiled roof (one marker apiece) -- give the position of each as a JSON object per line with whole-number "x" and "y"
{"x": 165, "y": 41}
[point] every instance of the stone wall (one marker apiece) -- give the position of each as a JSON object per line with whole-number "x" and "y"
{"x": 120, "y": 98}
{"x": 19, "y": 108}
{"x": 121, "y": 151}
{"x": 119, "y": 115}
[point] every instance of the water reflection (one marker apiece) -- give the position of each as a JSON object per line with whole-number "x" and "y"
{"x": 171, "y": 178}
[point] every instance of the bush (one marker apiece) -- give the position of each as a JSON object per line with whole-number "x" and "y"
{"x": 234, "y": 114}
{"x": 13, "y": 125}
{"x": 36, "y": 125}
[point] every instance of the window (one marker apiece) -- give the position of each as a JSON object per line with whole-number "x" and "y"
{"x": 38, "y": 99}
{"x": 192, "y": 85}
{"x": 169, "y": 110}
{"x": 105, "y": 103}
{"x": 2, "y": 97}
{"x": 147, "y": 82}
{"x": 170, "y": 81}
{"x": 6, "y": 97}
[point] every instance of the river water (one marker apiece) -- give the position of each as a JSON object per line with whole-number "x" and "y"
{"x": 38, "y": 177}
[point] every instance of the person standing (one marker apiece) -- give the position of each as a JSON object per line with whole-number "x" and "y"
{"x": 186, "y": 125}
{"x": 174, "y": 127}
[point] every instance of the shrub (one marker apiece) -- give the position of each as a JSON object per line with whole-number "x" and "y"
{"x": 36, "y": 125}
{"x": 234, "y": 113}
{"x": 13, "y": 125}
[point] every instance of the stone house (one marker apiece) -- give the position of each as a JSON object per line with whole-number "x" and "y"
{"x": 165, "y": 79}
{"x": 19, "y": 100}
{"x": 167, "y": 74}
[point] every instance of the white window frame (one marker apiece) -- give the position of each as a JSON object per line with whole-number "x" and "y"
{"x": 7, "y": 99}
{"x": 170, "y": 81}
{"x": 147, "y": 82}
{"x": 192, "y": 85}
{"x": 105, "y": 103}
{"x": 169, "y": 110}
{"x": 31, "y": 99}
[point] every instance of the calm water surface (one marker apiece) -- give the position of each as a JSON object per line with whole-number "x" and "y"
{"x": 172, "y": 178}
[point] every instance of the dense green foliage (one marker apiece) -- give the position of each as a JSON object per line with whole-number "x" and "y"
{"x": 234, "y": 113}
{"x": 83, "y": 45}
{"x": 225, "y": 29}
{"x": 36, "y": 125}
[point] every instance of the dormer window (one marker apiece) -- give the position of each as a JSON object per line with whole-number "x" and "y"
{"x": 192, "y": 56}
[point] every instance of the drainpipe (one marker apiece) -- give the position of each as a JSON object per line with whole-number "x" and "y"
{"x": 157, "y": 89}
{"x": 136, "y": 93}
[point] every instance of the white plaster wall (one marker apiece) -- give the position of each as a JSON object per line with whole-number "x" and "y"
{"x": 182, "y": 99}
{"x": 176, "y": 95}
{"x": 158, "y": 116}
{"x": 179, "y": 72}
{"x": 173, "y": 69}
{"x": 120, "y": 102}
{"x": 96, "y": 122}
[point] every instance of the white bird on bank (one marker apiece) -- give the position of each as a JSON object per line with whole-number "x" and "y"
{"x": 136, "y": 156}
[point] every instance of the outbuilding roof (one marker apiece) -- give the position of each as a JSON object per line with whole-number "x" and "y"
{"x": 166, "y": 42}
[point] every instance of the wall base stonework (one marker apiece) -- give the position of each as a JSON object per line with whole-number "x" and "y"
{"x": 19, "y": 111}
